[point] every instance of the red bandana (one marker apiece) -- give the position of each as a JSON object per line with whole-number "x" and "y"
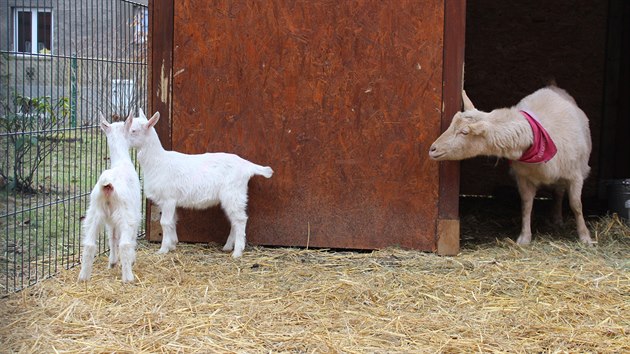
{"x": 543, "y": 149}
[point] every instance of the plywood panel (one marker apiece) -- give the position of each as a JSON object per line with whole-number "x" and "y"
{"x": 341, "y": 98}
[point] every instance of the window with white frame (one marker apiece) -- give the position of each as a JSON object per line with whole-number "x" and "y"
{"x": 32, "y": 30}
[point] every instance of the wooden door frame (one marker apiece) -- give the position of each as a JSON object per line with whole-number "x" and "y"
{"x": 160, "y": 88}
{"x": 447, "y": 232}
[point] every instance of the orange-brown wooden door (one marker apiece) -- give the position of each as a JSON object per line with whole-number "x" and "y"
{"x": 341, "y": 98}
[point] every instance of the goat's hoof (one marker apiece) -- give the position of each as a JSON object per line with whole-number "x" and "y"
{"x": 524, "y": 241}
{"x": 83, "y": 277}
{"x": 237, "y": 254}
{"x": 127, "y": 279}
{"x": 587, "y": 241}
{"x": 227, "y": 248}
{"x": 166, "y": 249}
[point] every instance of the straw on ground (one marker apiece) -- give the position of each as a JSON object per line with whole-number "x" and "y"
{"x": 555, "y": 295}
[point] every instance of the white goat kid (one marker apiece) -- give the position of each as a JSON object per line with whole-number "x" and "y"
{"x": 115, "y": 202}
{"x": 507, "y": 133}
{"x": 173, "y": 179}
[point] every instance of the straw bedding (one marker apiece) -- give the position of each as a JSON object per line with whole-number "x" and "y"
{"x": 553, "y": 296}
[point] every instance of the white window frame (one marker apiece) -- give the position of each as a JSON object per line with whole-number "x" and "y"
{"x": 34, "y": 24}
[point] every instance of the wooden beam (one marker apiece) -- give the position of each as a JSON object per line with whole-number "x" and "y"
{"x": 161, "y": 26}
{"x": 447, "y": 228}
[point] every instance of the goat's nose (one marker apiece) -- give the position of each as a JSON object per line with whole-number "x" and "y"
{"x": 433, "y": 148}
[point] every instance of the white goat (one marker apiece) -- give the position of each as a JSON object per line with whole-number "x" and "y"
{"x": 173, "y": 179}
{"x": 507, "y": 133}
{"x": 115, "y": 202}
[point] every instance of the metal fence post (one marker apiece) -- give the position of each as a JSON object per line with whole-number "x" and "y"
{"x": 73, "y": 90}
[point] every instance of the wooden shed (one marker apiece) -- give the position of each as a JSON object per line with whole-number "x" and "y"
{"x": 341, "y": 98}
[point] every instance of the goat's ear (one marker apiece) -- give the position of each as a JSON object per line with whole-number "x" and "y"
{"x": 153, "y": 120}
{"x": 468, "y": 105}
{"x": 141, "y": 113}
{"x": 104, "y": 124}
{"x": 478, "y": 128}
{"x": 129, "y": 121}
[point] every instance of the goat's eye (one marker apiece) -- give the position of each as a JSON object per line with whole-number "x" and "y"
{"x": 465, "y": 131}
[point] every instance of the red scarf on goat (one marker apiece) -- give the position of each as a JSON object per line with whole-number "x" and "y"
{"x": 543, "y": 149}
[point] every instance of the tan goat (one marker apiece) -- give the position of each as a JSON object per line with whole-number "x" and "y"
{"x": 508, "y": 133}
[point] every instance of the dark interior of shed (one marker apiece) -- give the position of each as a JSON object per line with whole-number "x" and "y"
{"x": 512, "y": 49}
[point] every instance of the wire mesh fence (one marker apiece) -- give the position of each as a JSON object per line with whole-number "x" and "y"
{"x": 61, "y": 61}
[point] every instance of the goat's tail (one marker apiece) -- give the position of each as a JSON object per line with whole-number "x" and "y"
{"x": 106, "y": 184}
{"x": 265, "y": 171}
{"x": 108, "y": 189}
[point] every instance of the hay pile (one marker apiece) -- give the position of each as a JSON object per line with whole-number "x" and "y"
{"x": 553, "y": 296}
